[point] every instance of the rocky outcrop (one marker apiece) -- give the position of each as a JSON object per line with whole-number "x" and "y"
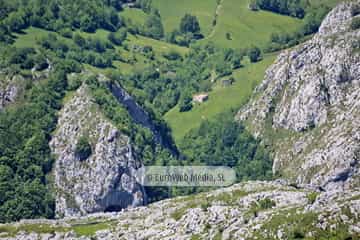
{"x": 140, "y": 116}
{"x": 253, "y": 210}
{"x": 308, "y": 106}
{"x": 10, "y": 88}
{"x": 104, "y": 181}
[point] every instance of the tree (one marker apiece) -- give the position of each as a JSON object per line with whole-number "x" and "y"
{"x": 253, "y": 6}
{"x": 87, "y": 24}
{"x": 79, "y": 40}
{"x": 16, "y": 21}
{"x": 189, "y": 23}
{"x": 145, "y": 5}
{"x": 185, "y": 102}
{"x": 118, "y": 37}
{"x": 254, "y": 54}
{"x": 153, "y": 26}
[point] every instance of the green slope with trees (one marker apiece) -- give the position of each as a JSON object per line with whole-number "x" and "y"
{"x": 137, "y": 48}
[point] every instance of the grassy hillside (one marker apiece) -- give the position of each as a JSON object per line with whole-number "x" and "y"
{"x": 137, "y": 16}
{"x": 330, "y": 3}
{"x": 173, "y": 10}
{"x": 30, "y": 36}
{"x": 220, "y": 99}
{"x": 247, "y": 27}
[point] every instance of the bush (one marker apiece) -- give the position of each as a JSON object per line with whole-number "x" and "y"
{"x": 83, "y": 148}
{"x": 153, "y": 26}
{"x": 66, "y": 32}
{"x": 355, "y": 9}
{"x": 118, "y": 37}
{"x": 355, "y": 23}
{"x": 312, "y": 197}
{"x": 185, "y": 102}
{"x": 266, "y": 203}
{"x": 189, "y": 23}
{"x": 172, "y": 55}
{"x": 254, "y": 54}
{"x": 253, "y": 6}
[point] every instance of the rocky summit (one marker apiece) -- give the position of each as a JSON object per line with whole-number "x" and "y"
{"x": 308, "y": 106}
{"x": 104, "y": 180}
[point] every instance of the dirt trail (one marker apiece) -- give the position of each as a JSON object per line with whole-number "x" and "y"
{"x": 217, "y": 12}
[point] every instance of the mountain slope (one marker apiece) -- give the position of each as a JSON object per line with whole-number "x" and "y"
{"x": 308, "y": 106}
{"x": 326, "y": 107}
{"x": 253, "y": 210}
{"x": 111, "y": 161}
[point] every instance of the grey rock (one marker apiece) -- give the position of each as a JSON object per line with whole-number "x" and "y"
{"x": 312, "y": 93}
{"x": 11, "y": 86}
{"x": 103, "y": 182}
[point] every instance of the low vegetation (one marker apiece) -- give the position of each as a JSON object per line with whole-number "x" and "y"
{"x": 222, "y": 142}
{"x": 355, "y": 23}
{"x": 83, "y": 148}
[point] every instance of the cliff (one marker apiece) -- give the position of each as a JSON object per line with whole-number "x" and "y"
{"x": 308, "y": 106}
{"x": 104, "y": 180}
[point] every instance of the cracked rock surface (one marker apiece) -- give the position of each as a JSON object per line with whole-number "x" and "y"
{"x": 308, "y": 106}
{"x": 105, "y": 180}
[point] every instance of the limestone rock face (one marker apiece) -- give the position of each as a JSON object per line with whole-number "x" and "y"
{"x": 228, "y": 213}
{"x": 310, "y": 101}
{"x": 10, "y": 88}
{"x": 105, "y": 180}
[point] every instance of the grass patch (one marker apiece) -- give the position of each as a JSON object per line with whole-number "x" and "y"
{"x": 195, "y": 237}
{"x": 330, "y": 3}
{"x": 178, "y": 213}
{"x": 89, "y": 229}
{"x": 248, "y": 27}
{"x": 31, "y": 35}
{"x": 85, "y": 229}
{"x": 159, "y": 47}
{"x": 36, "y": 228}
{"x": 137, "y": 16}
{"x": 221, "y": 99}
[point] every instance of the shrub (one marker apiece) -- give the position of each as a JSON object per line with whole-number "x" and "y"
{"x": 254, "y": 54}
{"x": 66, "y": 32}
{"x": 355, "y": 23}
{"x": 312, "y": 197}
{"x": 185, "y": 103}
{"x": 153, "y": 26}
{"x": 253, "y": 6}
{"x": 228, "y": 36}
{"x": 83, "y": 148}
{"x": 189, "y": 23}
{"x": 266, "y": 203}
{"x": 355, "y": 9}
{"x": 172, "y": 55}
{"x": 118, "y": 37}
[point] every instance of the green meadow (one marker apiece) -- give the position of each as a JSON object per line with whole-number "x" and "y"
{"x": 247, "y": 27}
{"x": 135, "y": 15}
{"x": 172, "y": 11}
{"x": 30, "y": 36}
{"x": 221, "y": 98}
